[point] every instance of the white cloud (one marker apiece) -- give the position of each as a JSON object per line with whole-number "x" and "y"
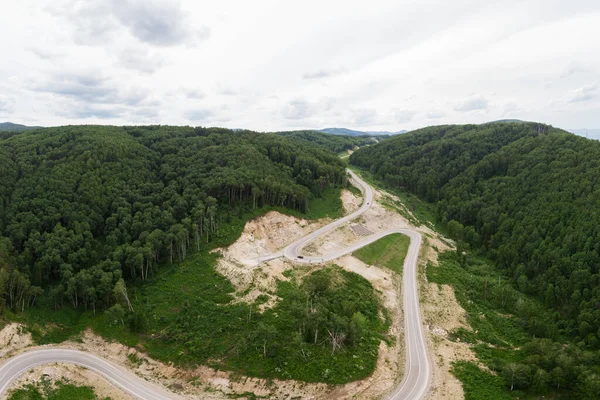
{"x": 373, "y": 67}
{"x": 472, "y": 103}
{"x": 435, "y": 114}
{"x": 7, "y": 105}
{"x": 404, "y": 115}
{"x": 199, "y": 115}
{"x": 584, "y": 93}
{"x": 324, "y": 73}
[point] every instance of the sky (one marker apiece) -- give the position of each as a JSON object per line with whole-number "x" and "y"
{"x": 278, "y": 65}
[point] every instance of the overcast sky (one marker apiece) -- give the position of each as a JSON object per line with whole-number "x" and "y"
{"x": 274, "y": 65}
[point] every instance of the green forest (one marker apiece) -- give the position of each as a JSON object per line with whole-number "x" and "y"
{"x": 527, "y": 197}
{"x": 85, "y": 208}
{"x": 335, "y": 143}
{"x": 112, "y": 228}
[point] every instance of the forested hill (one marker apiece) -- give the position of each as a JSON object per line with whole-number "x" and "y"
{"x": 335, "y": 143}
{"x": 84, "y": 207}
{"x": 10, "y": 127}
{"x": 525, "y": 194}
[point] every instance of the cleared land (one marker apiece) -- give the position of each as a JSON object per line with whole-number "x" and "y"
{"x": 388, "y": 252}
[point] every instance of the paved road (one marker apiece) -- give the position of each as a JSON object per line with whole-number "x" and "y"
{"x": 293, "y": 250}
{"x": 125, "y": 380}
{"x": 417, "y": 377}
{"x": 418, "y": 369}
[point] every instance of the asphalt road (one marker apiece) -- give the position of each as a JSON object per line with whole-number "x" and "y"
{"x": 417, "y": 377}
{"x": 125, "y": 380}
{"x": 414, "y": 385}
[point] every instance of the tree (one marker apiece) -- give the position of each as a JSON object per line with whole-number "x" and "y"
{"x": 121, "y": 296}
{"x": 265, "y": 334}
{"x": 115, "y": 315}
{"x": 540, "y": 380}
{"x": 515, "y": 375}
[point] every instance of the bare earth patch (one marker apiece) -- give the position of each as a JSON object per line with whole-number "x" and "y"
{"x": 441, "y": 314}
{"x": 12, "y": 339}
{"x": 264, "y": 235}
{"x": 350, "y": 201}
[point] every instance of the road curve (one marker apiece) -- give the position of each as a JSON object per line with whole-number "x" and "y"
{"x": 125, "y": 380}
{"x": 414, "y": 385}
{"x": 417, "y": 376}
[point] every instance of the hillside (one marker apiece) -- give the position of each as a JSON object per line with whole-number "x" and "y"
{"x": 335, "y": 143}
{"x": 115, "y": 229}
{"x": 526, "y": 194}
{"x": 10, "y": 127}
{"x": 83, "y": 206}
{"x": 527, "y": 197}
{"x": 350, "y": 132}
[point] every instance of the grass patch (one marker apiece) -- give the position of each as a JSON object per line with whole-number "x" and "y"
{"x": 329, "y": 205}
{"x": 478, "y": 384}
{"x": 190, "y": 329}
{"x": 504, "y": 321}
{"x": 500, "y": 315}
{"x": 388, "y": 251}
{"x": 356, "y": 191}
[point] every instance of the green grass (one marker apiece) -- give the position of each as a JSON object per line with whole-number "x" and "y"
{"x": 478, "y": 384}
{"x": 45, "y": 390}
{"x": 490, "y": 302}
{"x": 356, "y": 191}
{"x": 500, "y": 327}
{"x": 388, "y": 251}
{"x": 329, "y": 205}
{"x": 189, "y": 329}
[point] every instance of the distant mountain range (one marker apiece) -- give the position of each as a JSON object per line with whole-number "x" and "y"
{"x": 10, "y": 127}
{"x": 351, "y": 132}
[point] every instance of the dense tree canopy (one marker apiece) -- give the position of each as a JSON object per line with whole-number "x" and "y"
{"x": 83, "y": 208}
{"x": 335, "y": 143}
{"x": 527, "y": 195}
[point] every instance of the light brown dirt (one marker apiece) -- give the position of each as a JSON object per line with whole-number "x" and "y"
{"x": 350, "y": 201}
{"x": 264, "y": 235}
{"x": 268, "y": 234}
{"x": 377, "y": 218}
{"x": 12, "y": 339}
{"x": 441, "y": 315}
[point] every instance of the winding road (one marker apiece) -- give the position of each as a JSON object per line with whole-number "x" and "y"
{"x": 125, "y": 380}
{"x": 414, "y": 385}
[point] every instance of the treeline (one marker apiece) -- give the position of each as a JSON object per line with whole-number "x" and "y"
{"x": 335, "y": 143}
{"x": 527, "y": 196}
{"x": 83, "y": 208}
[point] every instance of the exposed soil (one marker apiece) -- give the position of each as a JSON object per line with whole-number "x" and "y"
{"x": 441, "y": 314}
{"x": 350, "y": 201}
{"x": 12, "y": 339}
{"x": 264, "y": 235}
{"x": 376, "y": 219}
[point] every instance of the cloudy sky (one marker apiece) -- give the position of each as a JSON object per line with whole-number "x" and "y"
{"x": 274, "y": 65}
